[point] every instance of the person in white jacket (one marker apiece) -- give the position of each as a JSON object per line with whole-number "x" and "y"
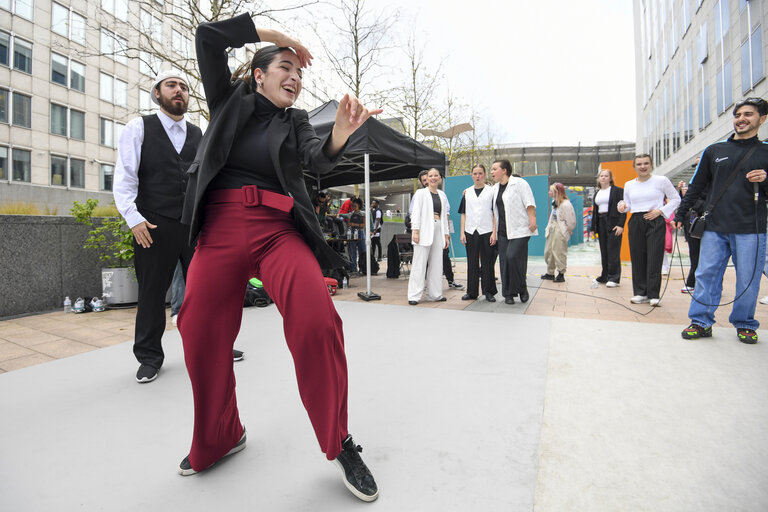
{"x": 562, "y": 221}
{"x": 514, "y": 212}
{"x": 429, "y": 234}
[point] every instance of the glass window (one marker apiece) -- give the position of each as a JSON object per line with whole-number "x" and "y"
{"x": 121, "y": 10}
{"x": 757, "y": 55}
{"x": 77, "y": 76}
{"x": 58, "y": 170}
{"x": 60, "y": 19}
{"x": 746, "y": 68}
{"x": 77, "y": 124}
{"x": 701, "y": 43}
{"x": 76, "y": 173}
{"x": 107, "y": 43}
{"x": 5, "y": 4}
{"x": 145, "y": 103}
{"x": 5, "y": 47}
{"x": 108, "y": 5}
{"x": 24, "y": 8}
{"x": 121, "y": 93}
{"x": 22, "y": 55}
{"x": 22, "y": 110}
{"x": 3, "y": 163}
{"x": 58, "y": 120}
{"x": 58, "y": 69}
{"x": 106, "y": 87}
{"x": 3, "y": 105}
{"x": 121, "y": 50}
{"x": 22, "y": 165}
{"x": 78, "y": 28}
{"x": 106, "y": 176}
{"x": 118, "y": 132}
{"x": 742, "y": 4}
{"x": 106, "y": 132}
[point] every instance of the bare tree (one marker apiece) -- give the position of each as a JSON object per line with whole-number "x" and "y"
{"x": 414, "y": 100}
{"x": 362, "y": 37}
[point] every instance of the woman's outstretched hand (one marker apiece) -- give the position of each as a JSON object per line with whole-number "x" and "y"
{"x": 350, "y": 116}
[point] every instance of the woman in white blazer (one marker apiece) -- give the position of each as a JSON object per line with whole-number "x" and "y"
{"x": 514, "y": 211}
{"x": 429, "y": 234}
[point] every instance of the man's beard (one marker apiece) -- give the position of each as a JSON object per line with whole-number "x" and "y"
{"x": 171, "y": 107}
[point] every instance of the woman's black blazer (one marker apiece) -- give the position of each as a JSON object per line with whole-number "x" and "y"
{"x": 293, "y": 143}
{"x": 614, "y": 217}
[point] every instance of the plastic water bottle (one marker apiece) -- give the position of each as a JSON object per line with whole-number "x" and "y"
{"x": 345, "y": 283}
{"x": 67, "y": 305}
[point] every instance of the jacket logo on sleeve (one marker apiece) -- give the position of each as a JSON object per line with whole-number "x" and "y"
{"x": 717, "y": 160}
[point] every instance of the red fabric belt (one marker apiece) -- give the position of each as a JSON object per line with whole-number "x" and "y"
{"x": 249, "y": 196}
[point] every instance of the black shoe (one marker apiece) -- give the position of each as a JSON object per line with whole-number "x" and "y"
{"x": 560, "y": 278}
{"x": 467, "y": 296}
{"x": 509, "y": 300}
{"x": 747, "y": 336}
{"x": 548, "y": 277}
{"x": 489, "y": 297}
{"x": 524, "y": 296}
{"x": 695, "y": 331}
{"x": 440, "y": 299}
{"x": 146, "y": 374}
{"x": 238, "y": 355}
{"x": 412, "y": 302}
{"x": 601, "y": 280}
{"x": 357, "y": 476}
{"x": 185, "y": 468}
{"x": 453, "y": 285}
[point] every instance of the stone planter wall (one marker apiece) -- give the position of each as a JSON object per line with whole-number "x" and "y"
{"x": 41, "y": 260}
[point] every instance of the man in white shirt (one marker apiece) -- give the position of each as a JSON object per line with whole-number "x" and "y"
{"x": 150, "y": 181}
{"x": 476, "y": 211}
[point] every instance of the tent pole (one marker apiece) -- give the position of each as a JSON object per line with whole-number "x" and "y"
{"x": 368, "y": 294}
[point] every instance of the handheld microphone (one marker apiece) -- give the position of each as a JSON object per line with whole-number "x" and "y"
{"x": 756, "y": 190}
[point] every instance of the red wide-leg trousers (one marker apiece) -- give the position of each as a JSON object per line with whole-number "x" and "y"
{"x": 236, "y": 243}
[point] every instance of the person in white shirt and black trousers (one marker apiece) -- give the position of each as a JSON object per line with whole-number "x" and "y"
{"x": 153, "y": 155}
{"x": 644, "y": 198}
{"x": 477, "y": 222}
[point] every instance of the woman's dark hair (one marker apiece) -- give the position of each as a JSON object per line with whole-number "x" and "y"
{"x": 504, "y": 164}
{"x": 261, "y": 60}
{"x": 644, "y": 155}
{"x": 358, "y": 202}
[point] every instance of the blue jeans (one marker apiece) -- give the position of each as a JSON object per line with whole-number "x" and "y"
{"x": 748, "y": 252}
{"x": 355, "y": 247}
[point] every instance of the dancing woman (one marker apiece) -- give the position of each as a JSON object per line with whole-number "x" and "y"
{"x": 608, "y": 223}
{"x": 247, "y": 200}
{"x": 644, "y": 197}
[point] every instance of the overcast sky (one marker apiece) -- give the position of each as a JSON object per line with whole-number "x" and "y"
{"x": 551, "y": 71}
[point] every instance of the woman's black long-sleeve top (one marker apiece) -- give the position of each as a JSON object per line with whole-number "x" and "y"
{"x": 292, "y": 143}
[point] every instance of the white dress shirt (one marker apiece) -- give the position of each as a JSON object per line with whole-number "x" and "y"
{"x": 125, "y": 185}
{"x": 649, "y": 195}
{"x": 517, "y": 198}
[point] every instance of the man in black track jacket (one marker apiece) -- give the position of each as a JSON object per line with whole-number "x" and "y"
{"x": 735, "y": 226}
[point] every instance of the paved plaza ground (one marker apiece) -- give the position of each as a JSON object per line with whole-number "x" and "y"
{"x": 575, "y": 401}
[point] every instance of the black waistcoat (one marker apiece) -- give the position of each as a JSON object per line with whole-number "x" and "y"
{"x": 163, "y": 172}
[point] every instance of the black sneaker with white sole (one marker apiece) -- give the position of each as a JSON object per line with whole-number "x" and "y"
{"x": 185, "y": 468}
{"x": 146, "y": 374}
{"x": 238, "y": 355}
{"x": 357, "y": 476}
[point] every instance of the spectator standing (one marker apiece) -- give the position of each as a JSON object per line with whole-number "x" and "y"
{"x": 562, "y": 222}
{"x": 608, "y": 223}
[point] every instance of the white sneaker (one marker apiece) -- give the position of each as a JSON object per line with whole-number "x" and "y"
{"x": 639, "y": 299}
{"x": 689, "y": 289}
{"x": 655, "y": 303}
{"x": 611, "y": 284}
{"x": 764, "y": 300}
{"x": 174, "y": 318}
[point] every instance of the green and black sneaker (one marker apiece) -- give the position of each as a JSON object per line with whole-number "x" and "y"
{"x": 695, "y": 331}
{"x": 747, "y": 336}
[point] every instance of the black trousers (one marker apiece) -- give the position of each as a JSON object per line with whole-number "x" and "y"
{"x": 694, "y": 246}
{"x": 447, "y": 266}
{"x": 154, "y": 271}
{"x": 513, "y": 264}
{"x": 610, "y": 251}
{"x": 646, "y": 248}
{"x": 376, "y": 242}
{"x": 480, "y": 256}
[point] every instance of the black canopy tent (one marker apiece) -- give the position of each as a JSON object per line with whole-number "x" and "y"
{"x": 375, "y": 152}
{"x": 393, "y": 155}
